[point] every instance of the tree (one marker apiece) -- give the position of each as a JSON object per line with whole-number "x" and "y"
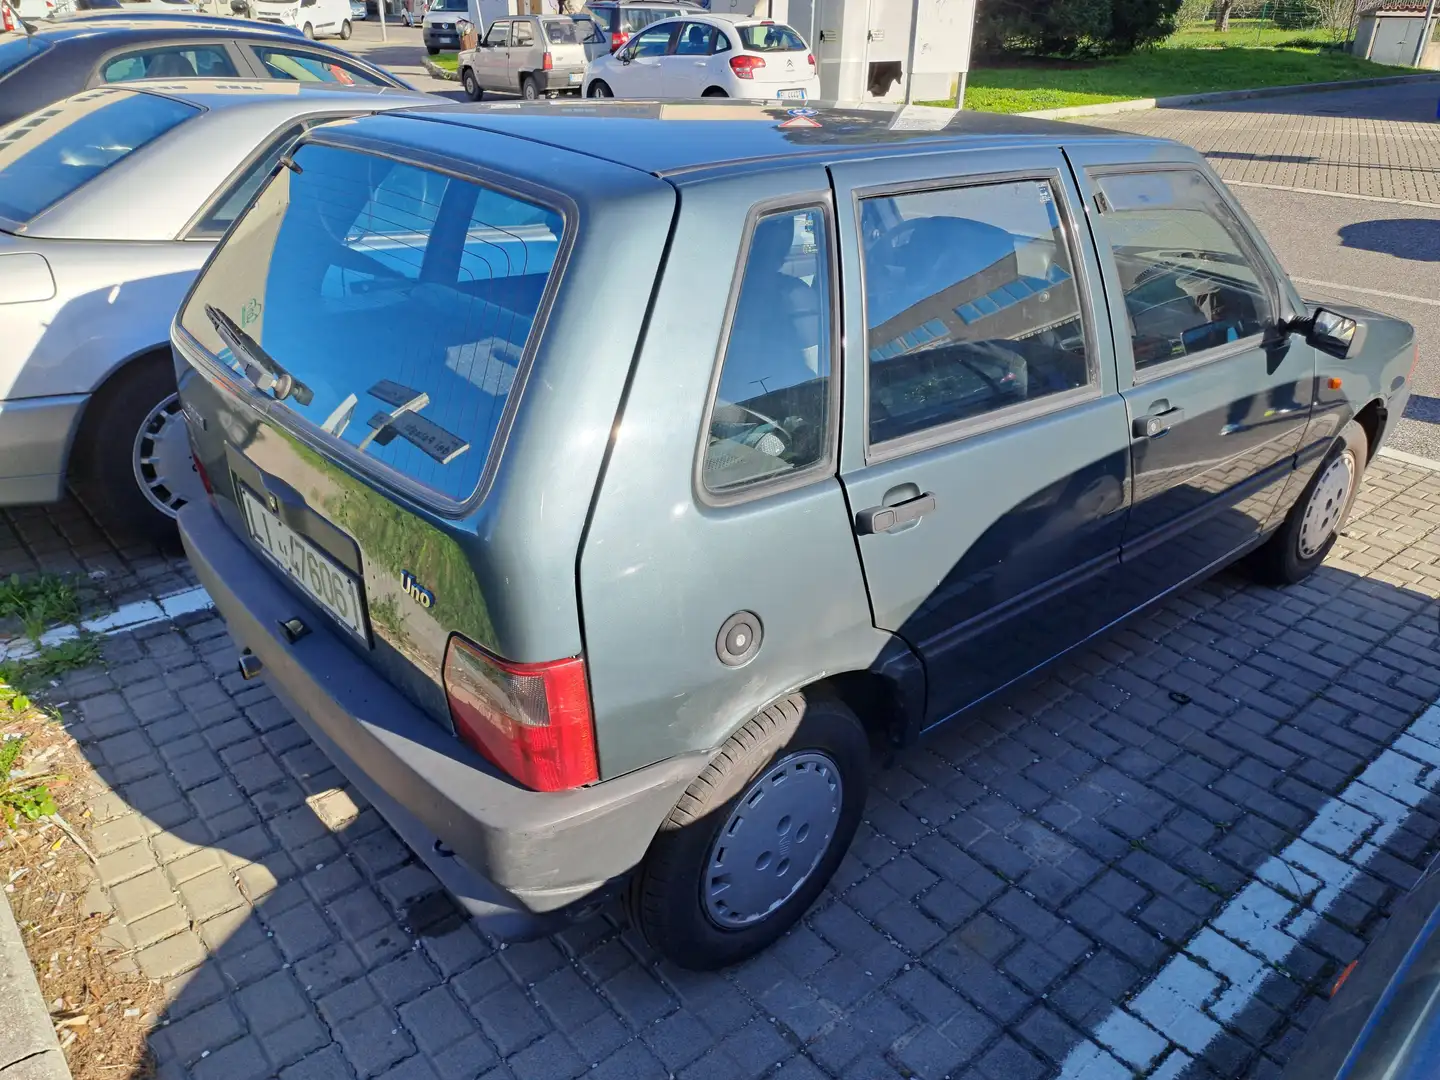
{"x": 1222, "y": 15}
{"x": 1072, "y": 27}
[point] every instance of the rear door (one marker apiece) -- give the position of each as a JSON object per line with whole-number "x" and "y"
{"x": 1217, "y": 398}
{"x": 524, "y": 53}
{"x": 985, "y": 456}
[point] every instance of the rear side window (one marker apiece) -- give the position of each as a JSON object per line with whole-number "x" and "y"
{"x": 524, "y": 34}
{"x": 313, "y": 67}
{"x": 16, "y": 50}
{"x": 636, "y": 19}
{"x": 386, "y": 304}
{"x": 971, "y": 305}
{"x": 76, "y": 143}
{"x": 771, "y": 415}
{"x": 769, "y": 37}
{"x": 187, "y": 61}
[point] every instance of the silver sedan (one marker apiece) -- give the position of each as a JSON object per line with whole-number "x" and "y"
{"x": 109, "y": 204}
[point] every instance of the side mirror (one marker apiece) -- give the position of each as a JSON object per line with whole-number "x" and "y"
{"x": 1330, "y": 332}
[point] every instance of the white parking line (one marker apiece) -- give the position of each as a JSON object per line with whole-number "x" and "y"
{"x": 1220, "y": 969}
{"x": 1368, "y": 292}
{"x": 1331, "y": 194}
{"x": 127, "y": 617}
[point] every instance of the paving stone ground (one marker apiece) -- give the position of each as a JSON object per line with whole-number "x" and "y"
{"x": 1151, "y": 863}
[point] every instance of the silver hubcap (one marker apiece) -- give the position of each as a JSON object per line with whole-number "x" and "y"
{"x": 161, "y": 459}
{"x": 774, "y": 838}
{"x": 1327, "y": 503}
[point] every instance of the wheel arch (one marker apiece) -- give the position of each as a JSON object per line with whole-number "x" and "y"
{"x": 1374, "y": 418}
{"x": 99, "y": 391}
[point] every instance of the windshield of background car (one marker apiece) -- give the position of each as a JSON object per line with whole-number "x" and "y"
{"x": 42, "y": 162}
{"x": 16, "y": 50}
{"x": 573, "y": 31}
{"x": 395, "y": 331}
{"x": 449, "y": 5}
{"x": 759, "y": 37}
{"x": 633, "y": 20}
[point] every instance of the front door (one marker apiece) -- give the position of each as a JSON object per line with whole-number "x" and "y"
{"x": 1217, "y": 397}
{"x": 985, "y": 453}
{"x": 643, "y": 57}
{"x": 491, "y": 62}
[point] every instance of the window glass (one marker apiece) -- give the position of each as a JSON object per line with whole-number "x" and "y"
{"x": 310, "y": 67}
{"x": 18, "y": 48}
{"x": 772, "y": 409}
{"x": 1190, "y": 283}
{"x": 573, "y": 31}
{"x": 636, "y": 19}
{"x": 184, "y": 62}
{"x": 722, "y": 41}
{"x": 694, "y": 40}
{"x": 499, "y": 34}
{"x": 652, "y": 42}
{"x": 244, "y": 188}
{"x": 51, "y": 154}
{"x": 398, "y": 299}
{"x": 771, "y": 37}
{"x": 971, "y": 304}
{"x": 524, "y": 35}
{"x": 449, "y": 5}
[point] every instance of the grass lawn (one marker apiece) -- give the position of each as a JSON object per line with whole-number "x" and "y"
{"x": 446, "y": 60}
{"x": 1193, "y": 61}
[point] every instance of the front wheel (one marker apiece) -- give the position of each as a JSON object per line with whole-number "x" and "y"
{"x": 754, "y": 839}
{"x": 471, "y": 85}
{"x": 1310, "y": 530}
{"x": 432, "y": 50}
{"x": 599, "y": 89}
{"x": 345, "y": 30}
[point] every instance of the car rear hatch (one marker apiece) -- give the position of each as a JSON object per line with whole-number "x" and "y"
{"x": 775, "y": 55}
{"x": 357, "y": 349}
{"x": 572, "y": 42}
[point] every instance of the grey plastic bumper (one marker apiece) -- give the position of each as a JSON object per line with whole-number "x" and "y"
{"x": 536, "y": 852}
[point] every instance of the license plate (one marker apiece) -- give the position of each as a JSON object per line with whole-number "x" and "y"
{"x": 800, "y": 94}
{"x": 576, "y": 76}
{"x": 332, "y": 588}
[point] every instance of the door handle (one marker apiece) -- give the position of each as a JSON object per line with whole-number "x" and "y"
{"x": 1156, "y": 424}
{"x": 879, "y": 519}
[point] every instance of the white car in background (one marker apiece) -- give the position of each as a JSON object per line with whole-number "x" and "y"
{"x": 707, "y": 55}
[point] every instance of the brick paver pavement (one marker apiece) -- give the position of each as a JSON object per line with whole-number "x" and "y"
{"x": 1151, "y": 863}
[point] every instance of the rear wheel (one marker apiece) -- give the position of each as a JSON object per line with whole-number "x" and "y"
{"x": 345, "y": 30}
{"x": 754, "y": 839}
{"x": 471, "y": 84}
{"x": 599, "y": 89}
{"x": 309, "y": 31}
{"x": 714, "y": 91}
{"x": 528, "y": 90}
{"x": 1301, "y": 544}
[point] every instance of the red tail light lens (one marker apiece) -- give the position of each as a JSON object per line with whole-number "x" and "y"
{"x": 9, "y": 23}
{"x": 618, "y": 40}
{"x": 549, "y": 62}
{"x": 810, "y": 59}
{"x": 746, "y": 66}
{"x": 204, "y": 476}
{"x": 532, "y": 720}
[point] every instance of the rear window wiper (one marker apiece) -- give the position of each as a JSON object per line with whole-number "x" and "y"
{"x": 262, "y": 369}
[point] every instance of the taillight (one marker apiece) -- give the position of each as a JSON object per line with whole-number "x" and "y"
{"x": 204, "y": 476}
{"x": 810, "y": 59}
{"x": 9, "y": 23}
{"x": 745, "y": 66}
{"x": 618, "y": 40}
{"x": 548, "y": 63}
{"x": 532, "y": 720}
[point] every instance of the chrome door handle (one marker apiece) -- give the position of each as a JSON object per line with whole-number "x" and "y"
{"x": 879, "y": 519}
{"x": 1156, "y": 424}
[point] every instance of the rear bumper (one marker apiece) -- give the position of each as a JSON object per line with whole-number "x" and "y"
{"x": 558, "y": 79}
{"x": 531, "y": 853}
{"x": 35, "y": 437}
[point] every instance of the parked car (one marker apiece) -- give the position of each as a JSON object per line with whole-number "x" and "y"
{"x": 358, "y": 10}
{"x": 10, "y": 22}
{"x": 314, "y": 18}
{"x": 59, "y": 60}
{"x": 440, "y": 27}
{"x": 708, "y": 56}
{"x": 85, "y": 7}
{"x": 87, "y": 387}
{"x": 620, "y": 19}
{"x": 576, "y": 604}
{"x": 532, "y": 55}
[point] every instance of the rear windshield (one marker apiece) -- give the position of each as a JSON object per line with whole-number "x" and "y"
{"x": 76, "y": 142}
{"x": 350, "y": 292}
{"x": 17, "y": 50}
{"x": 773, "y": 37}
{"x": 575, "y": 31}
{"x": 636, "y": 19}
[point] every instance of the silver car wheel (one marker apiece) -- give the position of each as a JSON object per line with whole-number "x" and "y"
{"x": 777, "y": 834}
{"x": 161, "y": 461}
{"x": 1328, "y": 500}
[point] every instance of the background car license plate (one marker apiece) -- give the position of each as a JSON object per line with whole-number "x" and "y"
{"x": 792, "y": 94}
{"x": 576, "y": 76}
{"x": 329, "y": 586}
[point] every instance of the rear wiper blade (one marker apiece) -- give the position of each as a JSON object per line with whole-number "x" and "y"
{"x": 262, "y": 369}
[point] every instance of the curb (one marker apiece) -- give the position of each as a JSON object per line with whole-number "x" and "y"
{"x": 436, "y": 71}
{"x": 1106, "y": 108}
{"x": 28, "y": 1047}
{"x": 1409, "y": 459}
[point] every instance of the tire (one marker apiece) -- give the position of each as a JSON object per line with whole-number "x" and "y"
{"x": 813, "y": 743}
{"x": 1302, "y": 542}
{"x": 432, "y": 50}
{"x": 599, "y": 89}
{"x": 131, "y": 463}
{"x": 309, "y": 31}
{"x": 345, "y": 30}
{"x": 471, "y": 85}
{"x": 528, "y": 90}
{"x": 714, "y": 91}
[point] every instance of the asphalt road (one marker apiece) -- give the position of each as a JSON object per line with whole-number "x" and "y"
{"x": 1346, "y": 187}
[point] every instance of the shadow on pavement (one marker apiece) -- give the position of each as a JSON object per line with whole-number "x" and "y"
{"x": 1417, "y": 239}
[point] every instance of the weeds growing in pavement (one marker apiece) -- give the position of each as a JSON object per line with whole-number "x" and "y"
{"x": 52, "y": 660}
{"x": 38, "y": 603}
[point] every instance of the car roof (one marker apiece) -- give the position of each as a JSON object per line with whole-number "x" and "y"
{"x": 156, "y": 27}
{"x": 671, "y": 138}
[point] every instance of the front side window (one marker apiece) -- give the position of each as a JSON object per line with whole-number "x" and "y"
{"x": 769, "y": 37}
{"x": 523, "y": 34}
{"x": 398, "y": 300}
{"x": 694, "y": 40}
{"x": 1190, "y": 282}
{"x": 971, "y": 304}
{"x": 310, "y": 67}
{"x": 183, "y": 62}
{"x": 243, "y": 189}
{"x": 499, "y": 35}
{"x": 771, "y": 415}
{"x": 652, "y": 42}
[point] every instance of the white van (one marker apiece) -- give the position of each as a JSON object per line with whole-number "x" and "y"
{"x": 317, "y": 18}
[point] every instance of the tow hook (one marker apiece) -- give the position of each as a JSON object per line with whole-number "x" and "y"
{"x": 250, "y": 665}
